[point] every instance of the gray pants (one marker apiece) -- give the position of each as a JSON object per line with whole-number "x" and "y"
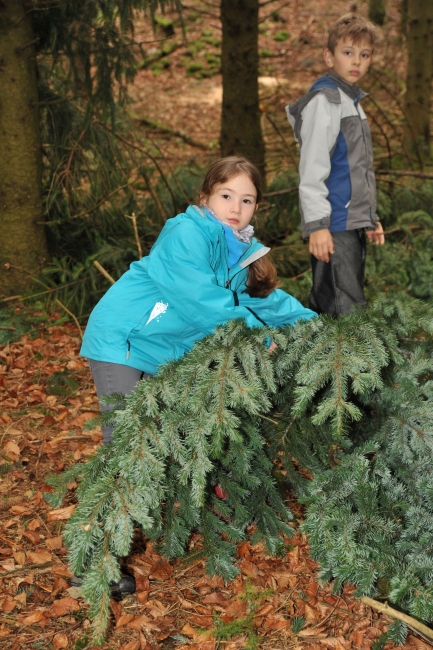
{"x": 112, "y": 378}
{"x": 338, "y": 285}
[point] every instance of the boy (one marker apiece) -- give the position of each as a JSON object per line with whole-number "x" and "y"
{"x": 337, "y": 189}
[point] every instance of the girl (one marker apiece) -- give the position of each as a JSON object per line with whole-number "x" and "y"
{"x": 204, "y": 269}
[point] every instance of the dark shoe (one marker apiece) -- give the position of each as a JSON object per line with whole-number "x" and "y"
{"x": 119, "y": 590}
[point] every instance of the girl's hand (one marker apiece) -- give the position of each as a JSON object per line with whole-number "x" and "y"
{"x": 272, "y": 347}
{"x": 377, "y": 235}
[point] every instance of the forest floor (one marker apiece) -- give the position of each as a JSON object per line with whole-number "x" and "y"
{"x": 47, "y": 394}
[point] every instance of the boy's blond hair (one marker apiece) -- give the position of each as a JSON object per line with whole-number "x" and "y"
{"x": 353, "y": 27}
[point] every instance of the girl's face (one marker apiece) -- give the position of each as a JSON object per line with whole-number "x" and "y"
{"x": 234, "y": 202}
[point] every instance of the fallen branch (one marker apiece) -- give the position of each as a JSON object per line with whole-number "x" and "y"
{"x": 26, "y": 568}
{"x": 384, "y": 608}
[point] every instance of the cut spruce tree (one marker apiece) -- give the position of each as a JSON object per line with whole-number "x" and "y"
{"x": 342, "y": 412}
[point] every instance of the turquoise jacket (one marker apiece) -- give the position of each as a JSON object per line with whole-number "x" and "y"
{"x": 177, "y": 295}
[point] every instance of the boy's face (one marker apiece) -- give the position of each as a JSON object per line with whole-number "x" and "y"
{"x": 350, "y": 61}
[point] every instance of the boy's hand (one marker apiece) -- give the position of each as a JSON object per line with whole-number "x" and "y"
{"x": 377, "y": 235}
{"x": 321, "y": 244}
{"x": 272, "y": 347}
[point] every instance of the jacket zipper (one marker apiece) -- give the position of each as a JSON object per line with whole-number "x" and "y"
{"x": 128, "y": 353}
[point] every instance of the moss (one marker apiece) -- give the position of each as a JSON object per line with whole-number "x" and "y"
{"x": 282, "y": 35}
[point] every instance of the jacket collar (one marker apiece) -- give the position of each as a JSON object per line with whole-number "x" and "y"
{"x": 354, "y": 92}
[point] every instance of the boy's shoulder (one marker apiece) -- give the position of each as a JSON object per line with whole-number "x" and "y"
{"x": 329, "y": 86}
{"x": 323, "y": 86}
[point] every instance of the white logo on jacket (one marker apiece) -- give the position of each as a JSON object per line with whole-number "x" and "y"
{"x": 158, "y": 309}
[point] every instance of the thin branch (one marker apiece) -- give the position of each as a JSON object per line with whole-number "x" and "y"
{"x": 26, "y": 568}
{"x": 104, "y": 272}
{"x": 279, "y": 192}
{"x": 40, "y": 293}
{"x": 137, "y": 239}
{"x": 178, "y": 134}
{"x": 392, "y": 230}
{"x": 403, "y": 173}
{"x": 95, "y": 207}
{"x": 72, "y": 316}
{"x": 384, "y": 608}
{"x": 286, "y": 145}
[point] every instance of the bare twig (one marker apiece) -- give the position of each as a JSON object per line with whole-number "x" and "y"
{"x": 403, "y": 173}
{"x": 178, "y": 134}
{"x": 154, "y": 195}
{"x": 40, "y": 293}
{"x": 137, "y": 239}
{"x": 283, "y": 139}
{"x": 104, "y": 272}
{"x": 72, "y": 316}
{"x": 95, "y": 207}
{"x": 279, "y": 192}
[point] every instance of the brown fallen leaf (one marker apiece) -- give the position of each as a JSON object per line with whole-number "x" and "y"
{"x": 311, "y": 614}
{"x": 39, "y": 557}
{"x": 35, "y": 617}
{"x": 61, "y": 570}
{"x": 132, "y": 645}
{"x": 61, "y": 513}
{"x": 142, "y": 596}
{"x": 249, "y": 569}
{"x": 144, "y": 643}
{"x": 32, "y": 536}
{"x": 138, "y": 622}
{"x": 236, "y": 608}
{"x": 202, "y": 621}
{"x": 210, "y": 581}
{"x": 54, "y": 543}
{"x": 7, "y": 603}
{"x": 60, "y": 641}
{"x": 215, "y": 598}
{"x": 161, "y": 571}
{"x": 21, "y": 598}
{"x": 64, "y": 606}
{"x": 124, "y": 619}
{"x": 265, "y": 610}
{"x": 11, "y": 450}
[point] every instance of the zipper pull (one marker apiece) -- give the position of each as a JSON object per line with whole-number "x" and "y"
{"x": 128, "y": 353}
{"x": 227, "y": 284}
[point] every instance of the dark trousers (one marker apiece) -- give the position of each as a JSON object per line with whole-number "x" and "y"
{"x": 112, "y": 378}
{"x": 338, "y": 285}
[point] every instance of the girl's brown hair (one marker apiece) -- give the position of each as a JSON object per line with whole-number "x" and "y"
{"x": 224, "y": 169}
{"x": 262, "y": 274}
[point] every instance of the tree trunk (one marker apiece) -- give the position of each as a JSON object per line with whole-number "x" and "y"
{"x": 22, "y": 237}
{"x": 241, "y": 132}
{"x": 419, "y": 74}
{"x": 376, "y": 11}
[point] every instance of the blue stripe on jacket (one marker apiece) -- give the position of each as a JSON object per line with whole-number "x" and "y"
{"x": 338, "y": 182}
